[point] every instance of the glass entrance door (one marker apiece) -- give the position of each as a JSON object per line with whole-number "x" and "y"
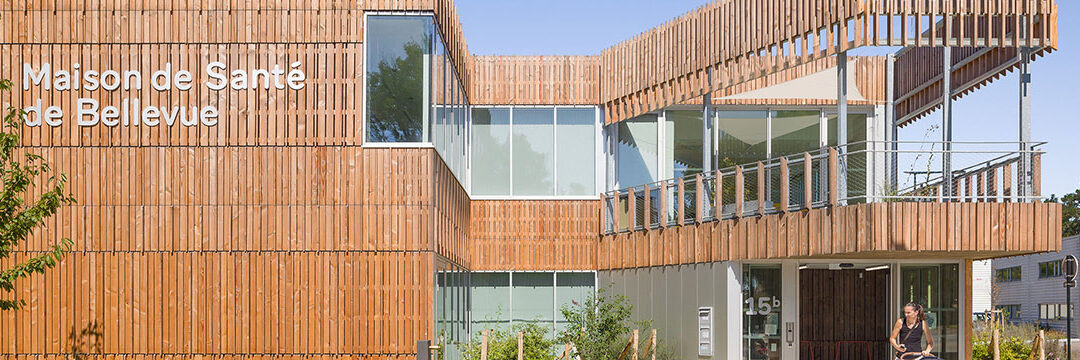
{"x": 937, "y": 289}
{"x": 761, "y": 311}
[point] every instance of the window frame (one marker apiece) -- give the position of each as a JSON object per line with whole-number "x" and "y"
{"x": 1050, "y": 265}
{"x": 598, "y": 147}
{"x": 1007, "y": 272}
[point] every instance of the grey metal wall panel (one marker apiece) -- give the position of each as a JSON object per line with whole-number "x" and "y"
{"x": 1031, "y": 291}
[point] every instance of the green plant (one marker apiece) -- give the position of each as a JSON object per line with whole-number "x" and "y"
{"x": 503, "y": 343}
{"x": 600, "y": 327}
{"x": 19, "y": 213}
{"x": 1070, "y": 212}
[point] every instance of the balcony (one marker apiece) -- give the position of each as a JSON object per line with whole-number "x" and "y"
{"x": 855, "y": 173}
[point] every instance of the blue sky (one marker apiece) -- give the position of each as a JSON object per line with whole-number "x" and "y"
{"x": 565, "y": 27}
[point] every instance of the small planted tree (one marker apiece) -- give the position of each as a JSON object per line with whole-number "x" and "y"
{"x": 19, "y": 213}
{"x": 600, "y": 326}
{"x": 502, "y": 343}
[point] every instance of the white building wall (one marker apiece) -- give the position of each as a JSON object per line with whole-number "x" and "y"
{"x": 981, "y": 283}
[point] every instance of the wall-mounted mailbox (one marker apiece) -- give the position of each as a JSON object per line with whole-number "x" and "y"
{"x": 705, "y": 327}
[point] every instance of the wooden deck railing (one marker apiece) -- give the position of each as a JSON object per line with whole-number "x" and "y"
{"x": 855, "y": 173}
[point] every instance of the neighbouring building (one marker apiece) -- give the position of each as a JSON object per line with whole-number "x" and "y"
{"x": 981, "y": 284}
{"x": 1030, "y": 288}
{"x": 326, "y": 179}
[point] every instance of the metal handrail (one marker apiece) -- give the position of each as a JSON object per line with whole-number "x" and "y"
{"x": 820, "y": 178}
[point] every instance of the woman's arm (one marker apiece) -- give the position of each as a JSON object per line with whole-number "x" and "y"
{"x": 929, "y": 338}
{"x": 895, "y": 335}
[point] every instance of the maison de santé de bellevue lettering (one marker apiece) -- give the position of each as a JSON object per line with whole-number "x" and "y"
{"x": 87, "y": 110}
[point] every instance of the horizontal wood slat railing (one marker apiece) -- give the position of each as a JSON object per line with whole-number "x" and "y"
{"x": 827, "y": 177}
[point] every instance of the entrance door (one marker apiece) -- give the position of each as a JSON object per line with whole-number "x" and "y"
{"x": 843, "y": 311}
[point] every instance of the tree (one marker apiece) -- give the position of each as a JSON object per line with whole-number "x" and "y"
{"x": 1070, "y": 212}
{"x": 19, "y": 214}
{"x": 600, "y": 326}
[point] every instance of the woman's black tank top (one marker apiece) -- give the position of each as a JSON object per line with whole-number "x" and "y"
{"x": 913, "y": 342}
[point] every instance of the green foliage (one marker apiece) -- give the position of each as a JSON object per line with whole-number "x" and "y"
{"x": 1016, "y": 342}
{"x": 1070, "y": 212}
{"x": 1011, "y": 349}
{"x": 600, "y": 327}
{"x": 19, "y": 214}
{"x": 503, "y": 344}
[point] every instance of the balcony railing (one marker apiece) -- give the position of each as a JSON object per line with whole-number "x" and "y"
{"x": 863, "y": 172}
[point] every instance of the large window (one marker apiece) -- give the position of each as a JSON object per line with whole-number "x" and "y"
{"x": 413, "y": 93}
{"x": 501, "y": 299}
{"x": 491, "y": 151}
{"x": 398, "y": 74}
{"x": 742, "y": 137}
{"x": 638, "y": 151}
{"x": 534, "y": 151}
{"x": 1008, "y": 274}
{"x": 937, "y": 289}
{"x": 683, "y": 147}
{"x": 1049, "y": 269}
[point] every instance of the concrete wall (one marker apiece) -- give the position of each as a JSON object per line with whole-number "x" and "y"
{"x": 1031, "y": 291}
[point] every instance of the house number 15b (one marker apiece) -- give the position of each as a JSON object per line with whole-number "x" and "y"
{"x": 762, "y": 305}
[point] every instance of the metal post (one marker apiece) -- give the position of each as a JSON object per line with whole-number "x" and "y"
{"x": 841, "y": 122}
{"x": 890, "y": 119}
{"x": 1024, "y": 171}
{"x": 946, "y": 123}
{"x": 706, "y": 131}
{"x": 1068, "y": 322}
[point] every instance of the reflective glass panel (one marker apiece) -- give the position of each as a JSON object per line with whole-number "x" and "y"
{"x": 398, "y": 72}
{"x": 576, "y": 163}
{"x": 742, "y": 137}
{"x": 491, "y": 151}
{"x": 683, "y": 148}
{"x": 534, "y": 151}
{"x": 637, "y": 151}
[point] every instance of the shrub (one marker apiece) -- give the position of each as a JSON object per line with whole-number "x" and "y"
{"x": 503, "y": 343}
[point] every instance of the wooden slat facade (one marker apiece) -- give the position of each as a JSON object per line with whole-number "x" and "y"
{"x": 271, "y": 234}
{"x": 726, "y": 43}
{"x": 532, "y": 80}
{"x": 275, "y": 234}
{"x": 524, "y": 235}
{"x": 880, "y": 230}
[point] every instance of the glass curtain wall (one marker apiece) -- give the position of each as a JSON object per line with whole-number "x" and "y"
{"x": 505, "y": 299}
{"x": 491, "y": 151}
{"x": 398, "y": 70}
{"x": 534, "y": 151}
{"x": 413, "y": 93}
{"x": 637, "y": 154}
{"x": 451, "y": 307}
{"x": 647, "y": 153}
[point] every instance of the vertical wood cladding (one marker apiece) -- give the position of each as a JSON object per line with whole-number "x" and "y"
{"x": 530, "y": 80}
{"x": 534, "y": 234}
{"x": 844, "y": 311}
{"x": 885, "y": 230}
{"x": 243, "y": 250}
{"x": 270, "y": 234}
